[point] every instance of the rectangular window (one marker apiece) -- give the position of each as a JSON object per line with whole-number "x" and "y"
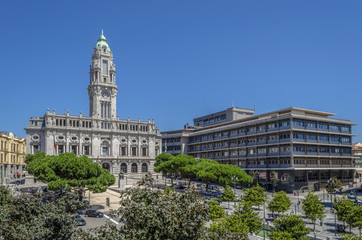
{"x": 73, "y": 149}
{"x": 144, "y": 152}
{"x": 311, "y": 125}
{"x": 35, "y": 148}
{"x": 60, "y": 149}
{"x": 298, "y": 123}
{"x": 134, "y": 151}
{"x": 105, "y": 67}
{"x": 123, "y": 151}
{"x": 324, "y": 138}
{"x": 334, "y": 128}
{"x": 311, "y": 137}
{"x": 86, "y": 150}
{"x": 105, "y": 151}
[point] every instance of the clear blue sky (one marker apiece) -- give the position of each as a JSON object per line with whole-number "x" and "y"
{"x": 177, "y": 60}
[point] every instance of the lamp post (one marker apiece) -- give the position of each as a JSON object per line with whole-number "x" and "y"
{"x": 264, "y": 222}
{"x": 233, "y": 180}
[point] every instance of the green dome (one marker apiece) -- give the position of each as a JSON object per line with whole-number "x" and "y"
{"x": 102, "y": 41}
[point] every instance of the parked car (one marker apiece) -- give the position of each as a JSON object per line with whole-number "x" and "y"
{"x": 93, "y": 213}
{"x": 86, "y": 202}
{"x": 80, "y": 221}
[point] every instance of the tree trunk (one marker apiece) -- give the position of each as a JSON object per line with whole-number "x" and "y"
{"x": 190, "y": 179}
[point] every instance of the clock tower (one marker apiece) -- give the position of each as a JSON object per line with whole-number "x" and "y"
{"x": 102, "y": 89}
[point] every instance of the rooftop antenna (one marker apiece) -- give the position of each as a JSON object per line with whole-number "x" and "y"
{"x": 254, "y": 107}
{"x": 232, "y": 103}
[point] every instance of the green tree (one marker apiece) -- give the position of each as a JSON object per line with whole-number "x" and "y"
{"x": 274, "y": 180}
{"x": 253, "y": 175}
{"x": 344, "y": 209}
{"x": 228, "y": 194}
{"x": 249, "y": 216}
{"x": 256, "y": 195}
{"x": 174, "y": 165}
{"x": 291, "y": 224}
{"x": 313, "y": 209}
{"x": 163, "y": 157}
{"x": 208, "y": 174}
{"x": 215, "y": 211}
{"x": 23, "y": 218}
{"x": 333, "y": 186}
{"x": 278, "y": 235}
{"x": 67, "y": 171}
{"x": 152, "y": 214}
{"x": 357, "y": 218}
{"x": 280, "y": 202}
{"x": 232, "y": 227}
{"x": 229, "y": 174}
{"x": 350, "y": 237}
{"x": 190, "y": 171}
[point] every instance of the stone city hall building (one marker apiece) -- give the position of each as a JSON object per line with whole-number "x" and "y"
{"x": 12, "y": 156}
{"x": 304, "y": 147}
{"x": 116, "y": 144}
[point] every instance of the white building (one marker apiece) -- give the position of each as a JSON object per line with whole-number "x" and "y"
{"x": 116, "y": 144}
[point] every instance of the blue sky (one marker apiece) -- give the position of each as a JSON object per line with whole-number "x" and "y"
{"x": 177, "y": 60}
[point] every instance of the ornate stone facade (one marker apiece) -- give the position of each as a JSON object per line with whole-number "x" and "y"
{"x": 116, "y": 144}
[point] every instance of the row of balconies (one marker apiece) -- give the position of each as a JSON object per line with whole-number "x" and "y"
{"x": 205, "y": 148}
{"x": 240, "y": 134}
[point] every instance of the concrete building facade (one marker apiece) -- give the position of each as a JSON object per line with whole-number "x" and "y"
{"x": 305, "y": 147}
{"x": 116, "y": 144}
{"x": 12, "y": 156}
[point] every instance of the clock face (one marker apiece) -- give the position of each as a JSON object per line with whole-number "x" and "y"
{"x": 105, "y": 95}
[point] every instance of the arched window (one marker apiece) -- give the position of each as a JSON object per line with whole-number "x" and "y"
{"x": 144, "y": 167}
{"x": 124, "y": 168}
{"x": 134, "y": 168}
{"x": 106, "y": 166}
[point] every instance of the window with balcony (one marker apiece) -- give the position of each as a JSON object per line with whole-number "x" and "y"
{"x": 299, "y": 149}
{"x": 311, "y": 124}
{"x": 311, "y": 137}
{"x": 333, "y": 128}
{"x": 298, "y": 123}
{"x": 345, "y": 129}
{"x": 284, "y": 124}
{"x": 312, "y": 150}
{"x": 323, "y": 138}
{"x": 324, "y": 150}
{"x": 323, "y": 126}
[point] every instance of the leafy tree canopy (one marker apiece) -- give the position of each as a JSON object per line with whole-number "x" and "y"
{"x": 163, "y": 157}
{"x": 215, "y": 211}
{"x": 256, "y": 195}
{"x": 333, "y": 185}
{"x": 66, "y": 171}
{"x": 228, "y": 194}
{"x": 280, "y": 202}
{"x": 312, "y": 208}
{"x": 249, "y": 216}
{"x": 291, "y": 224}
{"x": 23, "y": 218}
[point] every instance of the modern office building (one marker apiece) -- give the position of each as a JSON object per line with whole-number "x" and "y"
{"x": 116, "y": 144}
{"x": 12, "y": 156}
{"x": 304, "y": 147}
